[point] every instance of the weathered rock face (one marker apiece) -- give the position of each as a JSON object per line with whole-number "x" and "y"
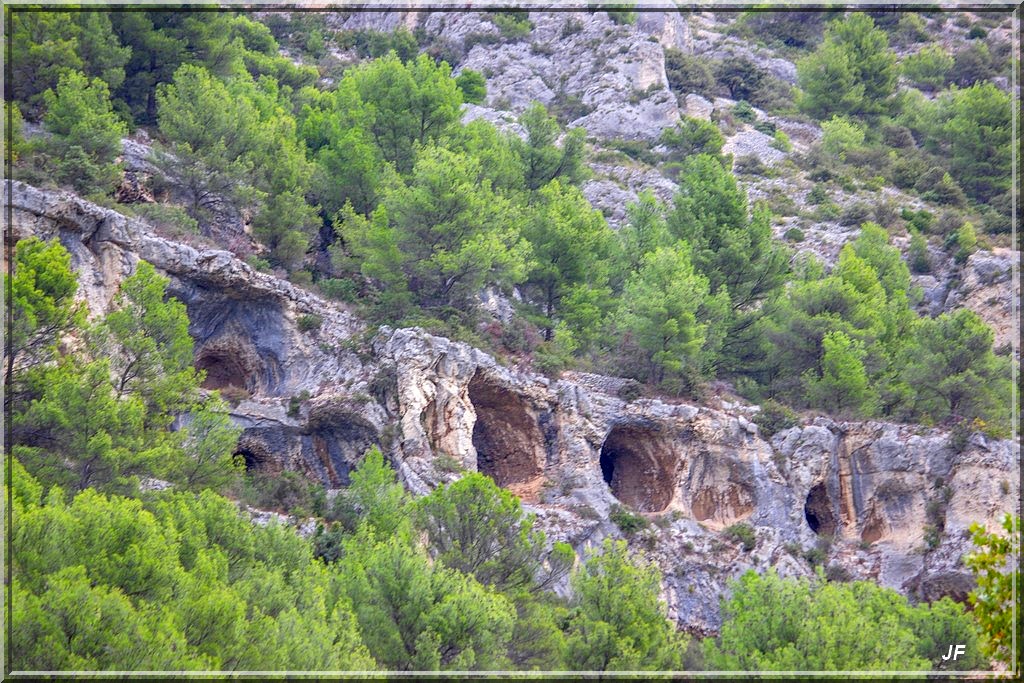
{"x": 865, "y": 492}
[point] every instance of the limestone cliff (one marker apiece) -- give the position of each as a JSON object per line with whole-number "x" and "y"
{"x": 313, "y": 401}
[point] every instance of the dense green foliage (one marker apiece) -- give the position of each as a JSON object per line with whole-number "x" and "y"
{"x": 99, "y": 418}
{"x": 361, "y": 179}
{"x": 775, "y": 624}
{"x": 853, "y": 71}
{"x": 996, "y": 567}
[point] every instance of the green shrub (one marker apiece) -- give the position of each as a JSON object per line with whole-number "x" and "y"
{"x": 339, "y": 289}
{"x": 744, "y": 112}
{"x": 288, "y": 492}
{"x": 920, "y": 220}
{"x": 688, "y": 74}
{"x": 258, "y": 263}
{"x": 446, "y": 464}
{"x": 169, "y": 218}
{"x": 794, "y": 234}
{"x": 917, "y": 254}
{"x": 781, "y": 142}
{"x": 928, "y": 68}
{"x": 692, "y": 136}
{"x": 473, "y": 86}
{"x": 855, "y": 214}
{"x": 742, "y": 533}
{"x": 309, "y": 322}
{"x": 841, "y": 135}
{"x": 817, "y": 195}
{"x": 513, "y": 24}
{"x": 629, "y": 523}
{"x": 623, "y": 16}
{"x": 295, "y": 403}
{"x": 775, "y": 417}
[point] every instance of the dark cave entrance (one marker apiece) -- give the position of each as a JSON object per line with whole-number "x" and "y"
{"x": 638, "y": 464}
{"x": 507, "y": 437}
{"x": 253, "y": 461}
{"x": 818, "y": 511}
{"x": 222, "y": 371}
{"x": 256, "y": 456}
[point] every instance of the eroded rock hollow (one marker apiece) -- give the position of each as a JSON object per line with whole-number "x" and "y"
{"x": 507, "y": 436}
{"x": 639, "y": 463}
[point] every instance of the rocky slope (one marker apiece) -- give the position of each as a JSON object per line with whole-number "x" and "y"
{"x": 610, "y": 79}
{"x": 858, "y": 497}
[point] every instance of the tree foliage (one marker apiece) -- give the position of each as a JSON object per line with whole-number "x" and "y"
{"x": 993, "y": 565}
{"x": 853, "y": 71}
{"x": 776, "y": 624}
{"x": 617, "y": 621}
{"x": 86, "y": 134}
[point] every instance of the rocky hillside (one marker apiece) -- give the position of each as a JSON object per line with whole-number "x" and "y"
{"x": 695, "y": 483}
{"x": 872, "y": 500}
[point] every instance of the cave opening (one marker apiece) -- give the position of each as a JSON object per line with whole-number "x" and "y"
{"x": 818, "y": 511}
{"x": 638, "y": 464}
{"x": 254, "y": 460}
{"x": 222, "y": 371}
{"x": 507, "y": 436}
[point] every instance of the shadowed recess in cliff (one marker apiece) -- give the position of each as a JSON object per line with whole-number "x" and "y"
{"x": 507, "y": 437}
{"x": 639, "y": 465}
{"x": 222, "y": 371}
{"x": 335, "y": 440}
{"x": 818, "y": 511}
{"x": 230, "y": 363}
{"x": 256, "y": 456}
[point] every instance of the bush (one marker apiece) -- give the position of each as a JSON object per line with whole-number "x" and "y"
{"x": 513, "y": 24}
{"x": 781, "y": 142}
{"x": 742, "y": 78}
{"x": 817, "y": 195}
{"x": 630, "y": 391}
{"x": 692, "y": 136}
{"x": 339, "y": 289}
{"x": 750, "y": 165}
{"x": 920, "y": 220}
{"x": 897, "y": 137}
{"x": 169, "y": 218}
{"x": 742, "y": 533}
{"x": 309, "y": 322}
{"x": 571, "y": 27}
{"x": 928, "y": 68}
{"x": 937, "y": 185}
{"x": 688, "y": 74}
{"x": 258, "y": 263}
{"x": 794, "y": 234}
{"x": 446, "y": 464}
{"x": 764, "y": 126}
{"x": 629, "y": 523}
{"x": 473, "y": 86}
{"x": 976, "y": 32}
{"x": 837, "y": 573}
{"x": 744, "y": 112}
{"x": 622, "y": 16}
{"x": 774, "y": 417}
{"x": 917, "y": 254}
{"x": 841, "y": 135}
{"x": 286, "y": 492}
{"x": 855, "y": 214}
{"x": 295, "y": 403}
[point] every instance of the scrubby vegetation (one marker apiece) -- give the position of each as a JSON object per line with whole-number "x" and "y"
{"x": 360, "y": 180}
